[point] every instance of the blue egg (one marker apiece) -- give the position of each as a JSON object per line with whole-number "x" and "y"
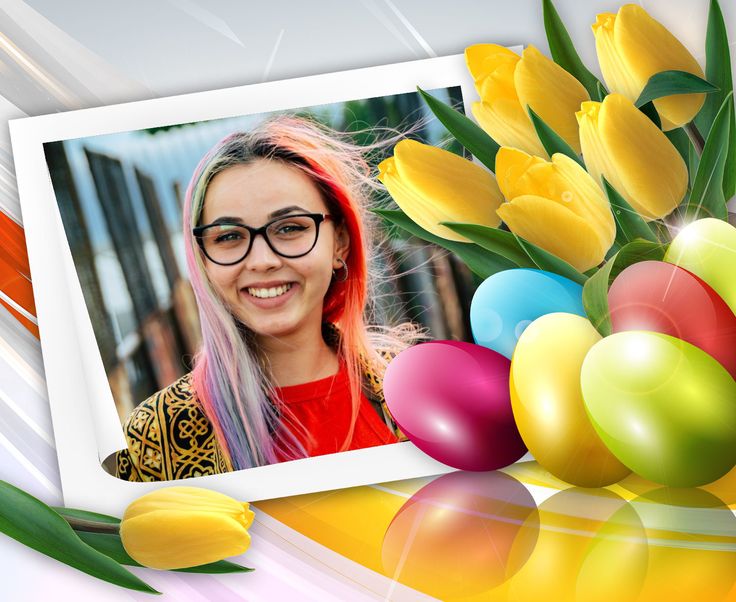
{"x": 507, "y": 302}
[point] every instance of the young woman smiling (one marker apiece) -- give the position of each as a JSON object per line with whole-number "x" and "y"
{"x": 277, "y": 240}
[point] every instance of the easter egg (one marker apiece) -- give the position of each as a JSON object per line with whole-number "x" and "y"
{"x": 480, "y": 527}
{"x": 662, "y": 297}
{"x": 707, "y": 248}
{"x": 664, "y": 408}
{"x": 451, "y": 399}
{"x": 548, "y": 404}
{"x": 507, "y": 302}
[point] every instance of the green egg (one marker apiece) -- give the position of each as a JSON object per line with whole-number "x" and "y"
{"x": 707, "y": 248}
{"x": 663, "y": 407}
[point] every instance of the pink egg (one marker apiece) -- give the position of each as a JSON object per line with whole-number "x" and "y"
{"x": 451, "y": 399}
{"x": 661, "y": 297}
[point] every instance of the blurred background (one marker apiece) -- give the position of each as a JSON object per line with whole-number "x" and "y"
{"x": 121, "y": 198}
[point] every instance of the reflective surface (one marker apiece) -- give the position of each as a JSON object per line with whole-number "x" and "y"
{"x": 522, "y": 535}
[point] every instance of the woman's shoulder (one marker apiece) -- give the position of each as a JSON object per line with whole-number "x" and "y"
{"x": 169, "y": 437}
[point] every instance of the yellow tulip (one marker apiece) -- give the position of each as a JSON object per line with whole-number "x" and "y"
{"x": 556, "y": 205}
{"x": 632, "y": 47}
{"x": 432, "y": 185}
{"x": 622, "y": 144}
{"x": 179, "y": 527}
{"x": 508, "y": 83}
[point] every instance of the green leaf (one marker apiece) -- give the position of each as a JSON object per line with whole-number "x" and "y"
{"x": 86, "y": 515}
{"x": 595, "y": 290}
{"x": 36, "y": 525}
{"x": 564, "y": 53}
{"x": 465, "y": 131}
{"x": 111, "y": 545}
{"x": 482, "y": 262}
{"x": 498, "y": 241}
{"x": 551, "y": 141}
{"x": 668, "y": 83}
{"x": 718, "y": 71}
{"x": 681, "y": 141}
{"x": 602, "y": 92}
{"x": 629, "y": 224}
{"x": 523, "y": 253}
{"x": 650, "y": 111}
{"x": 545, "y": 260}
{"x": 707, "y": 198}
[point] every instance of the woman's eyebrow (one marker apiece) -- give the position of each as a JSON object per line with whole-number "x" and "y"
{"x": 227, "y": 219}
{"x": 286, "y": 210}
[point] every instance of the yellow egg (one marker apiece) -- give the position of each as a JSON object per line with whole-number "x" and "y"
{"x": 547, "y": 401}
{"x": 707, "y": 248}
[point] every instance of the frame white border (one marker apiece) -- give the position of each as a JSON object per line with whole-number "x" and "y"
{"x": 79, "y": 395}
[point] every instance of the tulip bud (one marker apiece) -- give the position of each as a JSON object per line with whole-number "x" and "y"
{"x": 555, "y": 205}
{"x": 432, "y": 185}
{"x": 180, "y": 527}
{"x": 622, "y": 144}
{"x": 632, "y": 47}
{"x": 508, "y": 84}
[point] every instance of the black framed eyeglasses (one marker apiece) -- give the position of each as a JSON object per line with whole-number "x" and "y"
{"x": 291, "y": 236}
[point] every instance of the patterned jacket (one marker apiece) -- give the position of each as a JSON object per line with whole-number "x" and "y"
{"x": 169, "y": 436}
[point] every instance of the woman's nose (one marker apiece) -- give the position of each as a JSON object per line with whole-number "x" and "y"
{"x": 261, "y": 256}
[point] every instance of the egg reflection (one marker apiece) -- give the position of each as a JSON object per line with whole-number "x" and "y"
{"x": 582, "y": 552}
{"x": 463, "y": 534}
{"x": 692, "y": 545}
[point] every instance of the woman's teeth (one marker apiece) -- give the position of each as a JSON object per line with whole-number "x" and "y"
{"x": 265, "y": 293}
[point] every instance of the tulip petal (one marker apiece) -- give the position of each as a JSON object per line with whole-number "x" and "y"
{"x": 501, "y": 115}
{"x": 551, "y": 92}
{"x": 173, "y": 539}
{"x": 650, "y": 170}
{"x": 585, "y": 198}
{"x": 556, "y": 229}
{"x": 483, "y": 59}
{"x": 506, "y": 123}
{"x": 613, "y": 67}
{"x": 194, "y": 499}
{"x": 562, "y": 180}
{"x": 646, "y": 47}
{"x": 432, "y": 185}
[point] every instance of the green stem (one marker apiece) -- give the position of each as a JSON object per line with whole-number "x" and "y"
{"x": 91, "y": 526}
{"x": 695, "y": 137}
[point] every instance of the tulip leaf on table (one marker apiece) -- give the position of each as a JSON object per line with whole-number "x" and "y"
{"x": 706, "y": 197}
{"x": 480, "y": 261}
{"x": 551, "y": 140}
{"x": 564, "y": 53}
{"x": 36, "y": 525}
{"x": 629, "y": 224}
{"x": 465, "y": 131}
{"x": 667, "y": 83}
{"x": 595, "y": 290}
{"x": 110, "y": 544}
{"x": 718, "y": 71}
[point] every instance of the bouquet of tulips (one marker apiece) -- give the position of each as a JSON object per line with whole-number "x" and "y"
{"x": 598, "y": 222}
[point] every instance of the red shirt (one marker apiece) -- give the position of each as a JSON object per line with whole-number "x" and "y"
{"x": 324, "y": 409}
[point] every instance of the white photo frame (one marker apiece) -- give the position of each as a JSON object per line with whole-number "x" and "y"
{"x": 86, "y": 426}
